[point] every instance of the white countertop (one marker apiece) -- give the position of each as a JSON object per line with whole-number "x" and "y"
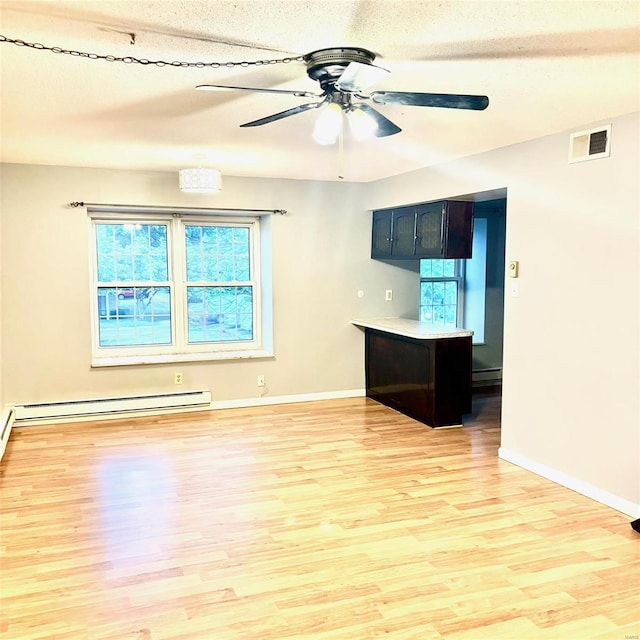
{"x": 412, "y": 328}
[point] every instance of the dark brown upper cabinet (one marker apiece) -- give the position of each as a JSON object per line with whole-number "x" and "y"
{"x": 442, "y": 229}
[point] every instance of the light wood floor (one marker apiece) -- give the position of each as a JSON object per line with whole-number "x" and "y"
{"x": 338, "y": 520}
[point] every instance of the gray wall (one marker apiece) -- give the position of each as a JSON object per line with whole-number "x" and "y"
{"x": 320, "y": 253}
{"x": 571, "y": 355}
{"x": 489, "y": 354}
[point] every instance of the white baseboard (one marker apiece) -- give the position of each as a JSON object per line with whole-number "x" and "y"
{"x": 218, "y": 404}
{"x": 7, "y": 418}
{"x": 301, "y": 397}
{"x": 622, "y": 505}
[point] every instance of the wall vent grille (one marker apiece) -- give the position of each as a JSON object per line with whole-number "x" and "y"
{"x": 590, "y": 144}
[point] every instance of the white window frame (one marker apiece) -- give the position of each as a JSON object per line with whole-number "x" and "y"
{"x": 179, "y": 350}
{"x": 471, "y": 301}
{"x": 459, "y": 279}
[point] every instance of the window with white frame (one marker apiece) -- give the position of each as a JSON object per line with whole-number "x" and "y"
{"x": 170, "y": 287}
{"x": 453, "y": 291}
{"x": 440, "y": 291}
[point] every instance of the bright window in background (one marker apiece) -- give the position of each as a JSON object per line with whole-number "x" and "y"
{"x": 173, "y": 286}
{"x": 219, "y": 287}
{"x": 453, "y": 292}
{"x": 440, "y": 290}
{"x": 133, "y": 287}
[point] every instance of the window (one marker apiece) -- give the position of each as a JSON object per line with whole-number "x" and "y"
{"x": 440, "y": 289}
{"x": 453, "y": 292}
{"x": 171, "y": 287}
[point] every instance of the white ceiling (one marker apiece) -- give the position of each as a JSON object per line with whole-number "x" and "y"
{"x": 547, "y": 66}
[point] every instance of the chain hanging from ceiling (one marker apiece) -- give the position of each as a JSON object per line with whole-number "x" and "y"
{"x": 144, "y": 61}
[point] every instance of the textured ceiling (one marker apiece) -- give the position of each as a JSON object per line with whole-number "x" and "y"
{"x": 546, "y": 66}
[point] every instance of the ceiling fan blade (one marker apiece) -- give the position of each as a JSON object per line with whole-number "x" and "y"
{"x": 385, "y": 126}
{"x": 283, "y": 114}
{"x": 358, "y": 76}
{"x": 591, "y": 42}
{"x": 224, "y": 87}
{"x": 446, "y": 100}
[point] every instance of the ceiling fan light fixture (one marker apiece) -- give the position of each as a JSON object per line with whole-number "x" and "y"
{"x": 361, "y": 124}
{"x": 328, "y": 125}
{"x": 200, "y": 180}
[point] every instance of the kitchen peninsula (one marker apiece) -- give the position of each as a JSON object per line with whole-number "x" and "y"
{"x": 420, "y": 369}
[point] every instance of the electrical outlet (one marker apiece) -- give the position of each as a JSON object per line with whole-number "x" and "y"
{"x": 261, "y": 381}
{"x": 388, "y": 294}
{"x": 177, "y": 377}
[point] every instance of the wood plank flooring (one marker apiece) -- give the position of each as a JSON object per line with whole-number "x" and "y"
{"x": 336, "y": 520}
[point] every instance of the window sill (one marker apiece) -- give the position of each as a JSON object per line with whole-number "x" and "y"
{"x": 168, "y": 358}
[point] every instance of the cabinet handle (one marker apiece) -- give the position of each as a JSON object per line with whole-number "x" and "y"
{"x": 442, "y": 233}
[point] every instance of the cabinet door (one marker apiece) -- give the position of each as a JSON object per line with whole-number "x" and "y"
{"x": 459, "y": 230}
{"x": 381, "y": 234}
{"x": 399, "y": 373}
{"x": 404, "y": 233}
{"x": 430, "y": 230}
{"x": 442, "y": 229}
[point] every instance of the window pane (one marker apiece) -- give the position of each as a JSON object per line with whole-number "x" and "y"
{"x": 132, "y": 252}
{"x": 225, "y": 239}
{"x": 438, "y": 314}
{"x": 217, "y": 254}
{"x": 449, "y": 267}
{"x": 439, "y": 299}
{"x": 450, "y": 292}
{"x": 426, "y": 313}
{"x": 438, "y": 293}
{"x": 241, "y": 255}
{"x": 426, "y": 293}
{"x": 124, "y": 268}
{"x": 225, "y": 269}
{"x": 220, "y": 314}
{"x": 450, "y": 314}
{"x": 142, "y": 268}
{"x": 437, "y": 268}
{"x": 135, "y": 316}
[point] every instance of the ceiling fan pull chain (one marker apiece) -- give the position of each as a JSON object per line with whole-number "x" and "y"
{"x": 144, "y": 61}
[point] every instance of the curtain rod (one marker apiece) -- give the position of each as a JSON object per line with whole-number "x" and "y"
{"x": 135, "y": 208}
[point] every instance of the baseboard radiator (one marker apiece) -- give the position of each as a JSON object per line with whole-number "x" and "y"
{"x": 6, "y": 422}
{"x": 486, "y": 377}
{"x": 99, "y": 408}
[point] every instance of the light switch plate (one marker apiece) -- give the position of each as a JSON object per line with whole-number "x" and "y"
{"x": 513, "y": 269}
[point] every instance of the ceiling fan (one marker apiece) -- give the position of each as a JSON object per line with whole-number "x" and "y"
{"x": 343, "y": 73}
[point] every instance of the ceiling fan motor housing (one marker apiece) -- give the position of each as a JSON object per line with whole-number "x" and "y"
{"x": 327, "y": 65}
{"x": 343, "y": 72}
